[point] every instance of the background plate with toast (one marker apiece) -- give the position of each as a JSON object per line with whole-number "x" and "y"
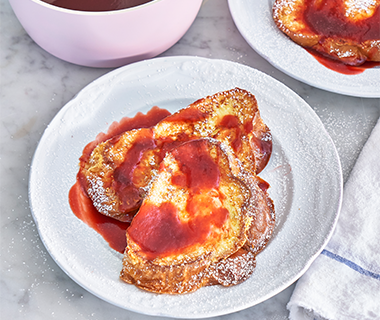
{"x": 255, "y": 23}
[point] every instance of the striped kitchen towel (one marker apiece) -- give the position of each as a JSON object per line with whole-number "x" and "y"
{"x": 344, "y": 281}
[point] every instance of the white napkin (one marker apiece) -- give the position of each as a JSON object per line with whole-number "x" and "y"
{"x": 344, "y": 281}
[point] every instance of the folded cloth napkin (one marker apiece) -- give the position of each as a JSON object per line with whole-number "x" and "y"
{"x": 344, "y": 281}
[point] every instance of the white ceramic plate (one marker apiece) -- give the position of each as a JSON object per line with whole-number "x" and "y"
{"x": 255, "y": 23}
{"x": 304, "y": 173}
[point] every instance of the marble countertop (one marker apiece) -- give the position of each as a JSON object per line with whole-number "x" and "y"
{"x": 35, "y": 86}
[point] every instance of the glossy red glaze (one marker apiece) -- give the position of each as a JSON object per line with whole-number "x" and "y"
{"x": 327, "y": 18}
{"x": 140, "y": 120}
{"x": 198, "y": 172}
{"x": 188, "y": 114}
{"x": 158, "y": 230}
{"x": 123, "y": 175}
{"x": 197, "y": 166}
{"x": 263, "y": 185}
{"x": 340, "y": 67}
{"x": 113, "y": 231}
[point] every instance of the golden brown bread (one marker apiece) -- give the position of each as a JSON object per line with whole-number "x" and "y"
{"x": 118, "y": 173}
{"x": 197, "y": 224}
{"x": 232, "y": 117}
{"x": 344, "y": 30}
{"x": 202, "y": 212}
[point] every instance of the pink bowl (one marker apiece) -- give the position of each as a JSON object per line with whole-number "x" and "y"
{"x": 109, "y": 38}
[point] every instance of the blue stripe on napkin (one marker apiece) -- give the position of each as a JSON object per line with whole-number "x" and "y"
{"x": 351, "y": 264}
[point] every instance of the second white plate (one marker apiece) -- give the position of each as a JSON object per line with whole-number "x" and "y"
{"x": 255, "y": 23}
{"x": 304, "y": 173}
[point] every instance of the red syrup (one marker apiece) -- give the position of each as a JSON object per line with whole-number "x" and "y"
{"x": 327, "y": 18}
{"x": 340, "y": 67}
{"x": 112, "y": 230}
{"x": 96, "y": 5}
{"x": 158, "y": 230}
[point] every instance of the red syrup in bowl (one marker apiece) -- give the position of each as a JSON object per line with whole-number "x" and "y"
{"x": 96, "y": 5}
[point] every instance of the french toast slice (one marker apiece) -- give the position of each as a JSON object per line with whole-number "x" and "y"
{"x": 344, "y": 30}
{"x": 118, "y": 173}
{"x": 192, "y": 228}
{"x": 115, "y": 174}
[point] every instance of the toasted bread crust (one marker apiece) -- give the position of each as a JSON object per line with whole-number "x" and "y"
{"x": 261, "y": 209}
{"x": 174, "y": 279}
{"x": 289, "y": 16}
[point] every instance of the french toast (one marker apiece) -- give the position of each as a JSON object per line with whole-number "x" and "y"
{"x": 344, "y": 30}
{"x": 115, "y": 176}
{"x": 193, "y": 227}
{"x": 119, "y": 171}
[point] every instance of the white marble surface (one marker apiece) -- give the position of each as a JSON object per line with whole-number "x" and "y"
{"x": 35, "y": 85}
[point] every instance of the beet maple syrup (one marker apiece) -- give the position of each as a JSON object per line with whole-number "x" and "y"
{"x": 96, "y": 5}
{"x": 112, "y": 230}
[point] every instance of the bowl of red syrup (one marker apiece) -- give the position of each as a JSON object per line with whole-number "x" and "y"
{"x": 104, "y": 33}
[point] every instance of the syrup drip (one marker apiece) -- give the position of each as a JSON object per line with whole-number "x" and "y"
{"x": 113, "y": 231}
{"x": 340, "y": 67}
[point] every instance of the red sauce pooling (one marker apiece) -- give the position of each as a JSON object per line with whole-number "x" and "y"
{"x": 123, "y": 175}
{"x": 158, "y": 230}
{"x": 140, "y": 120}
{"x": 96, "y": 5}
{"x": 341, "y": 67}
{"x": 113, "y": 231}
{"x": 198, "y": 172}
